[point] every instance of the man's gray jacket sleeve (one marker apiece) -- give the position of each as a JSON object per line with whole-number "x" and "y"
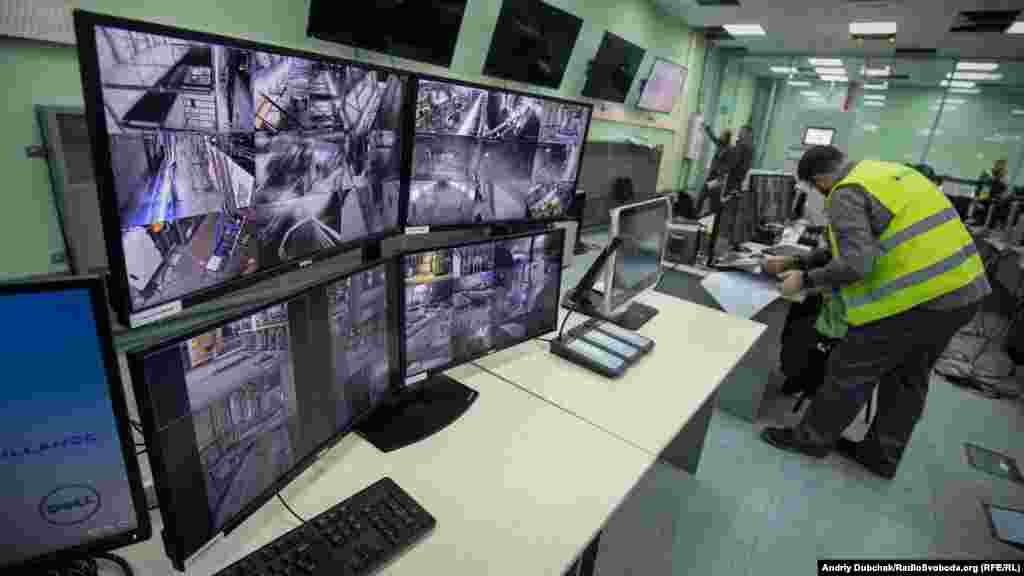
{"x": 858, "y": 220}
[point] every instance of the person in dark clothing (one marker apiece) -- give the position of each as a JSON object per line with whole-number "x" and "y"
{"x": 736, "y": 225}
{"x": 909, "y": 276}
{"x": 712, "y": 184}
{"x": 990, "y": 190}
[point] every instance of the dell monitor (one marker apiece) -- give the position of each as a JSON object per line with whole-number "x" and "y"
{"x": 532, "y": 43}
{"x": 661, "y": 88}
{"x": 459, "y": 303}
{"x": 636, "y": 265}
{"x": 71, "y": 485}
{"x": 818, "y": 136}
{"x": 484, "y": 156}
{"x": 220, "y": 162}
{"x": 236, "y": 409}
{"x": 422, "y": 30}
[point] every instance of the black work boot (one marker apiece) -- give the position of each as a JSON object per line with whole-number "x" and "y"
{"x": 860, "y": 453}
{"x": 787, "y": 439}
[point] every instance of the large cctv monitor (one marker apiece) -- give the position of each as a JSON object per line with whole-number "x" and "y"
{"x": 235, "y": 410}
{"x": 485, "y": 156}
{"x": 70, "y": 485}
{"x": 460, "y": 302}
{"x": 636, "y": 265}
{"x": 220, "y": 161}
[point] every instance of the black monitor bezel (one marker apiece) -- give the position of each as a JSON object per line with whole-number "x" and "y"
{"x": 410, "y": 141}
{"x": 136, "y": 358}
{"x": 675, "y": 98}
{"x": 85, "y": 22}
{"x": 94, "y": 285}
{"x": 493, "y": 69}
{"x": 406, "y": 381}
{"x": 803, "y": 138}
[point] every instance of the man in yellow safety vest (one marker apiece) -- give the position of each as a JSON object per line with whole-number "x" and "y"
{"x": 910, "y": 276}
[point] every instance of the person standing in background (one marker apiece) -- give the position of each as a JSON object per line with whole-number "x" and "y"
{"x": 990, "y": 189}
{"x": 713, "y": 183}
{"x": 739, "y": 227}
{"x": 909, "y": 276}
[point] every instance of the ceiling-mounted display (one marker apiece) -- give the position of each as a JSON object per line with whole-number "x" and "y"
{"x": 532, "y": 43}
{"x": 612, "y": 70}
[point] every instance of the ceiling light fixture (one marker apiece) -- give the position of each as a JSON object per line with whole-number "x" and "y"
{"x": 965, "y": 90}
{"x": 834, "y": 79}
{"x": 873, "y": 28}
{"x": 877, "y": 86}
{"x": 874, "y": 96}
{"x": 954, "y": 101}
{"x": 957, "y": 84}
{"x": 973, "y": 76}
{"x": 830, "y": 71}
{"x": 744, "y": 29}
{"x": 825, "y": 62}
{"x": 783, "y": 70}
{"x": 799, "y": 83}
{"x": 810, "y": 93}
{"x": 1016, "y": 28}
{"x": 946, "y": 108}
{"x": 874, "y": 103}
{"x": 1018, "y": 112}
{"x": 977, "y": 66}
{"x": 873, "y": 72}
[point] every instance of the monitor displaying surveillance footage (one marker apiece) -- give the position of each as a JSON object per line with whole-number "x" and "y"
{"x": 219, "y": 160}
{"x": 487, "y": 156}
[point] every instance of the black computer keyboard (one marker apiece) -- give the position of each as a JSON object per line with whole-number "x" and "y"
{"x": 355, "y": 537}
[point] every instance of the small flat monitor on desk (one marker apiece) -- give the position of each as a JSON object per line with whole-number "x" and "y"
{"x": 459, "y": 303}
{"x": 71, "y": 485}
{"x": 814, "y": 136}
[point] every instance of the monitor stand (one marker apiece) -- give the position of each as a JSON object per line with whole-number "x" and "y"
{"x": 418, "y": 412}
{"x": 635, "y": 316}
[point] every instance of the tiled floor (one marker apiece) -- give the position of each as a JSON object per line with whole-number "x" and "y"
{"x": 752, "y": 509}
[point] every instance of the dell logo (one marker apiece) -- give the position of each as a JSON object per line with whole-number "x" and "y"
{"x": 70, "y": 505}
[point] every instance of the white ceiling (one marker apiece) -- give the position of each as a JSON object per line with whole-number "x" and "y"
{"x": 821, "y": 27}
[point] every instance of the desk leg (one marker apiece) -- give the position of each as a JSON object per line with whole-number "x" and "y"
{"x": 584, "y": 565}
{"x": 685, "y": 449}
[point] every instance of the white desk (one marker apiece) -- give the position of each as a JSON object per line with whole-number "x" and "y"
{"x": 668, "y": 388}
{"x": 517, "y": 485}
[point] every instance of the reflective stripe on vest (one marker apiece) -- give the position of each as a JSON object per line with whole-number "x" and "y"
{"x": 925, "y": 251}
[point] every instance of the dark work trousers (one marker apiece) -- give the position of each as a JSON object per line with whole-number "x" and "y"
{"x": 896, "y": 353}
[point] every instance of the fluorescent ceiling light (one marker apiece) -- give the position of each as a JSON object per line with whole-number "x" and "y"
{"x": 799, "y": 83}
{"x": 1018, "y": 112}
{"x": 947, "y": 108}
{"x": 873, "y": 28}
{"x": 878, "y": 86}
{"x": 957, "y": 84}
{"x": 965, "y": 91}
{"x": 870, "y": 72}
{"x": 874, "y": 96}
{"x": 954, "y": 101}
{"x": 977, "y": 66}
{"x": 830, "y": 71}
{"x": 783, "y": 70}
{"x": 874, "y": 103}
{"x": 810, "y": 93}
{"x": 1016, "y": 28}
{"x": 973, "y": 76}
{"x": 744, "y": 29}
{"x": 834, "y": 79}
{"x": 826, "y": 62}
{"x": 925, "y": 131}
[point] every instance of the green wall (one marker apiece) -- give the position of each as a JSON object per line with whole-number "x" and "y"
{"x": 40, "y": 74}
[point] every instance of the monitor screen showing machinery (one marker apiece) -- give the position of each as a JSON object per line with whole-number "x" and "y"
{"x": 612, "y": 70}
{"x": 486, "y": 156}
{"x": 70, "y": 483}
{"x": 636, "y": 265}
{"x": 235, "y": 410}
{"x": 818, "y": 136}
{"x": 532, "y": 43}
{"x": 464, "y": 301}
{"x": 423, "y": 30}
{"x": 219, "y": 160}
{"x": 660, "y": 90}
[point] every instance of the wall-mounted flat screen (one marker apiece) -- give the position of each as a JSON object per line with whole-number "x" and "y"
{"x": 422, "y": 30}
{"x": 612, "y": 70}
{"x": 532, "y": 43}
{"x": 484, "y": 156}
{"x": 219, "y": 161}
{"x": 660, "y": 90}
{"x": 818, "y": 136}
